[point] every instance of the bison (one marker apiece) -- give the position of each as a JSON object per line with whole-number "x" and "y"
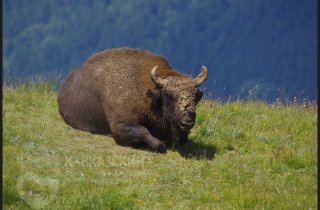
{"x": 133, "y": 95}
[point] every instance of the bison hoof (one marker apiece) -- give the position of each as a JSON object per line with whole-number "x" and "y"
{"x": 160, "y": 147}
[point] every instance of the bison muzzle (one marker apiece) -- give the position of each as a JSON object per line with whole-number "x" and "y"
{"x": 133, "y": 95}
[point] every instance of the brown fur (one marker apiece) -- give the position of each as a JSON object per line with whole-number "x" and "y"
{"x": 113, "y": 93}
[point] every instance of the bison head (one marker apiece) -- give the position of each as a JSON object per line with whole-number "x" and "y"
{"x": 178, "y": 97}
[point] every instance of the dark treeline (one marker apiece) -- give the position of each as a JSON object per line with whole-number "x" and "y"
{"x": 259, "y": 45}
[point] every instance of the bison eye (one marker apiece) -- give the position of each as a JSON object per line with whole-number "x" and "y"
{"x": 199, "y": 95}
{"x": 169, "y": 97}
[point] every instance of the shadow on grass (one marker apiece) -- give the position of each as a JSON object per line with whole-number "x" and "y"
{"x": 194, "y": 150}
{"x": 190, "y": 150}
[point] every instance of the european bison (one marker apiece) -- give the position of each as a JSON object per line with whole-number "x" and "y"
{"x": 134, "y": 95}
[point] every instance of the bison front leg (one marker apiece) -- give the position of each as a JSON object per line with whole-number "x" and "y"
{"x": 131, "y": 134}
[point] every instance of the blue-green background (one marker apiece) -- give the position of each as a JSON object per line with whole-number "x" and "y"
{"x": 265, "y": 45}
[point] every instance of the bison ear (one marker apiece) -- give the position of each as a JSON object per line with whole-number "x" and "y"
{"x": 199, "y": 95}
{"x": 154, "y": 94}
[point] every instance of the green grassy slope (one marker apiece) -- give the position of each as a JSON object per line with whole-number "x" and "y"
{"x": 244, "y": 155}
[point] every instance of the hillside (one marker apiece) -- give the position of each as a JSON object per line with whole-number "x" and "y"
{"x": 243, "y": 155}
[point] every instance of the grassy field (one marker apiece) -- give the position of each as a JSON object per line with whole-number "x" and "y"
{"x": 243, "y": 155}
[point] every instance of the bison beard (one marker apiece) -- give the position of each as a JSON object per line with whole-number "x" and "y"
{"x": 134, "y": 95}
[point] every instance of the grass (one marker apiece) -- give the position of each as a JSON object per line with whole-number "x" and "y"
{"x": 243, "y": 155}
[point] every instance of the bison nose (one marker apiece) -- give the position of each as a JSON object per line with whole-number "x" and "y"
{"x": 187, "y": 123}
{"x": 192, "y": 115}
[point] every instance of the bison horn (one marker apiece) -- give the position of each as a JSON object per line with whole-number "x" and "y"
{"x": 202, "y": 76}
{"x": 157, "y": 80}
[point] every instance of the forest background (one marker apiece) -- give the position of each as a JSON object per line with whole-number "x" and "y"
{"x": 262, "y": 47}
